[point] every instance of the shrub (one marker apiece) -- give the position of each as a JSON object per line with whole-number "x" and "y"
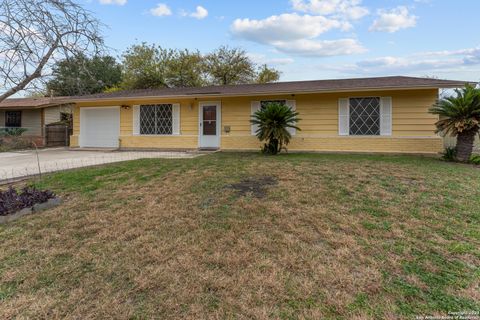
{"x": 475, "y": 159}
{"x": 12, "y": 201}
{"x": 9, "y": 142}
{"x": 450, "y": 154}
{"x": 13, "y": 132}
{"x": 273, "y": 123}
{"x": 460, "y": 117}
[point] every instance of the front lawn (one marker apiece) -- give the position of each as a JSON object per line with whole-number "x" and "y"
{"x": 248, "y": 236}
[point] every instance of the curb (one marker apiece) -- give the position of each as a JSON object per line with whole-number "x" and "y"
{"x": 51, "y": 203}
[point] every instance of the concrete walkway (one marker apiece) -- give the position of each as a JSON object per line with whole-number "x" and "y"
{"x": 14, "y": 165}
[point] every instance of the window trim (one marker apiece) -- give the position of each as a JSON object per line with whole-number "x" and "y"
{"x": 379, "y": 117}
{"x": 388, "y": 133}
{"x": 136, "y": 120}
{"x": 16, "y": 111}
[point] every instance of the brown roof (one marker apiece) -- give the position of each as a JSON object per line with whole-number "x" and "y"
{"x": 357, "y": 84}
{"x": 32, "y": 103}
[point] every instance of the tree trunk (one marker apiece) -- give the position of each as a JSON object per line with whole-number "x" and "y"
{"x": 465, "y": 142}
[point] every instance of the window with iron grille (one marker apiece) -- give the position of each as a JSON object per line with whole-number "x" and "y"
{"x": 265, "y": 103}
{"x": 13, "y": 119}
{"x": 156, "y": 119}
{"x": 365, "y": 116}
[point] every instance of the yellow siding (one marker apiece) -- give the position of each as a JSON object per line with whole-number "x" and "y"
{"x": 188, "y": 138}
{"x": 74, "y": 141}
{"x": 164, "y": 142}
{"x": 412, "y": 126}
{"x": 344, "y": 144}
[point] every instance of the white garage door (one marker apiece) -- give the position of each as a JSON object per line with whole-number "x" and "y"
{"x": 99, "y": 127}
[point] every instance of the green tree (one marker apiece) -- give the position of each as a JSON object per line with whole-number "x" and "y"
{"x": 273, "y": 122}
{"x": 145, "y": 67}
{"x": 226, "y": 66}
{"x": 460, "y": 117}
{"x": 186, "y": 69}
{"x": 267, "y": 75}
{"x": 82, "y": 75}
{"x": 149, "y": 66}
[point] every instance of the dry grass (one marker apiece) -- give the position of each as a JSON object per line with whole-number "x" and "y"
{"x": 336, "y": 237}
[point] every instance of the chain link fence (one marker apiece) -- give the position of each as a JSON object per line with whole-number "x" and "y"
{"x": 37, "y": 163}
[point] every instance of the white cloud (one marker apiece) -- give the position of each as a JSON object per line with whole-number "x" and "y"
{"x": 297, "y": 34}
{"x": 117, "y": 2}
{"x": 161, "y": 10}
{"x": 284, "y": 27}
{"x": 321, "y": 48}
{"x": 349, "y": 9}
{"x": 405, "y": 64}
{"x": 200, "y": 13}
{"x": 418, "y": 63}
{"x": 263, "y": 59}
{"x": 394, "y": 20}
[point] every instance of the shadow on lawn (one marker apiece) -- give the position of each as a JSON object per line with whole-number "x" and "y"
{"x": 257, "y": 186}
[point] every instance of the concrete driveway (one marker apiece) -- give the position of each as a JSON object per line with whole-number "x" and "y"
{"x": 14, "y": 165}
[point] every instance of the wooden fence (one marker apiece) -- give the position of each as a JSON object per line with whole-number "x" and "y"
{"x": 57, "y": 135}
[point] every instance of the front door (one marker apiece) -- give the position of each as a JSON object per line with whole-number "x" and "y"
{"x": 209, "y": 125}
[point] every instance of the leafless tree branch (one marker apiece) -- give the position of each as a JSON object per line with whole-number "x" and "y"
{"x": 34, "y": 34}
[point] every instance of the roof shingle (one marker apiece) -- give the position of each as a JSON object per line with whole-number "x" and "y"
{"x": 396, "y": 82}
{"x": 20, "y": 103}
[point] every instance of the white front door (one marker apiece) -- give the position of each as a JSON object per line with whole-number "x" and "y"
{"x": 99, "y": 127}
{"x": 210, "y": 124}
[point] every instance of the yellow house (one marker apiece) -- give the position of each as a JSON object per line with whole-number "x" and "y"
{"x": 384, "y": 114}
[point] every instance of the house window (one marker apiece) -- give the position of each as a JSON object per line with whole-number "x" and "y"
{"x": 365, "y": 116}
{"x": 156, "y": 119}
{"x": 66, "y": 117}
{"x": 264, "y": 103}
{"x": 13, "y": 119}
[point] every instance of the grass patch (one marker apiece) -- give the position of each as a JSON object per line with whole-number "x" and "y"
{"x": 324, "y": 237}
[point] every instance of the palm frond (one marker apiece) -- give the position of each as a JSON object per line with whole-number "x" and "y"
{"x": 273, "y": 123}
{"x": 458, "y": 113}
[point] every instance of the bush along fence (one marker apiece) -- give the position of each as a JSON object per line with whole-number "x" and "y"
{"x": 17, "y": 139}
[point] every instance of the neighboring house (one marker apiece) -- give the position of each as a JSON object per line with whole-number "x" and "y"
{"x": 33, "y": 114}
{"x": 386, "y": 114}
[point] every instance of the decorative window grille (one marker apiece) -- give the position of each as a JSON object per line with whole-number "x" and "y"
{"x": 156, "y": 119}
{"x": 13, "y": 119}
{"x": 365, "y": 116}
{"x": 264, "y": 103}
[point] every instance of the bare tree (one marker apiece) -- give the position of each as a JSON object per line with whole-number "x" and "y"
{"x": 34, "y": 34}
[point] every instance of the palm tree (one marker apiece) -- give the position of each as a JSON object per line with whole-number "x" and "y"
{"x": 460, "y": 117}
{"x": 273, "y": 122}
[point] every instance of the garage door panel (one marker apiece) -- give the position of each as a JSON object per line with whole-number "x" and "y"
{"x": 99, "y": 127}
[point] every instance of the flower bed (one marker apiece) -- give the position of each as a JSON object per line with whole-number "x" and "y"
{"x": 13, "y": 202}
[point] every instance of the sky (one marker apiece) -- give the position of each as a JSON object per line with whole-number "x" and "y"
{"x": 310, "y": 39}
